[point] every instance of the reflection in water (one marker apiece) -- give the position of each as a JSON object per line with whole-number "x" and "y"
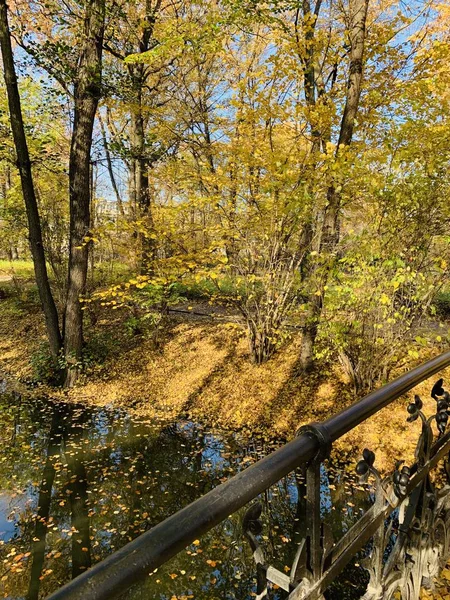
{"x": 77, "y": 492}
{"x": 55, "y": 438}
{"x": 77, "y": 483}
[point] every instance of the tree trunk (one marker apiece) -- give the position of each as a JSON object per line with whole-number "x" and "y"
{"x": 139, "y": 159}
{"x": 132, "y": 203}
{"x": 147, "y": 245}
{"x": 330, "y": 225}
{"x": 358, "y": 10}
{"x": 86, "y": 96}
{"x": 308, "y": 234}
{"x": 110, "y": 167}
{"x": 26, "y": 178}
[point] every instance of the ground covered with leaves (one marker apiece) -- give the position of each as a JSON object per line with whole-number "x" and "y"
{"x": 201, "y": 369}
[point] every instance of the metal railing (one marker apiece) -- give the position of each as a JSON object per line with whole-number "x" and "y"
{"x": 316, "y": 565}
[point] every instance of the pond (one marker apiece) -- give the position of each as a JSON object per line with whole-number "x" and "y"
{"x": 77, "y": 483}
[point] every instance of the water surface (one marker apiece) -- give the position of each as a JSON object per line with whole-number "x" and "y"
{"x": 77, "y": 483}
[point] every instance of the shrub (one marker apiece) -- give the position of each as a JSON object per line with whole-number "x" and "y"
{"x": 372, "y": 315}
{"x": 442, "y": 304}
{"x": 98, "y": 348}
{"x": 45, "y": 368}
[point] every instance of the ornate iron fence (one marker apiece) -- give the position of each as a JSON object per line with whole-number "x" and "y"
{"x": 406, "y": 552}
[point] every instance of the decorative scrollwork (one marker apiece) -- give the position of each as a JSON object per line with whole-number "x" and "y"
{"x": 409, "y": 522}
{"x": 442, "y": 398}
{"x": 415, "y": 410}
{"x": 252, "y": 527}
{"x": 423, "y": 536}
{"x": 401, "y": 479}
{"x": 251, "y": 524}
{"x": 365, "y": 466}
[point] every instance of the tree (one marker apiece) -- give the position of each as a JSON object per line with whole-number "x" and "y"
{"x": 49, "y": 152}
{"x": 87, "y": 91}
{"x": 328, "y": 233}
{"x": 86, "y": 79}
{"x": 269, "y": 219}
{"x": 254, "y": 158}
{"x": 24, "y": 165}
{"x": 394, "y": 227}
{"x": 140, "y": 87}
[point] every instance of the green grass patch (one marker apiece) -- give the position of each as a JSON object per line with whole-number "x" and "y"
{"x": 10, "y": 308}
{"x": 22, "y": 269}
{"x": 111, "y": 274}
{"x": 206, "y": 288}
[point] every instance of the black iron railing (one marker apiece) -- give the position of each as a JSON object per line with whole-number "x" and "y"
{"x": 422, "y": 539}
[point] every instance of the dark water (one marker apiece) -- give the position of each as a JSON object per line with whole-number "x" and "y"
{"x": 77, "y": 483}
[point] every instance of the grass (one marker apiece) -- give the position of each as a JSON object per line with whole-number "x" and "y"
{"x": 22, "y": 269}
{"x": 111, "y": 273}
{"x": 104, "y": 273}
{"x": 224, "y": 287}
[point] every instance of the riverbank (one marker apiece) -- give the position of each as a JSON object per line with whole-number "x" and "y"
{"x": 202, "y": 370}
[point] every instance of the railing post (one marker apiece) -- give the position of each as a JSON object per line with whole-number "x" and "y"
{"x": 308, "y": 565}
{"x": 313, "y": 520}
{"x": 314, "y": 527}
{"x": 252, "y": 527}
